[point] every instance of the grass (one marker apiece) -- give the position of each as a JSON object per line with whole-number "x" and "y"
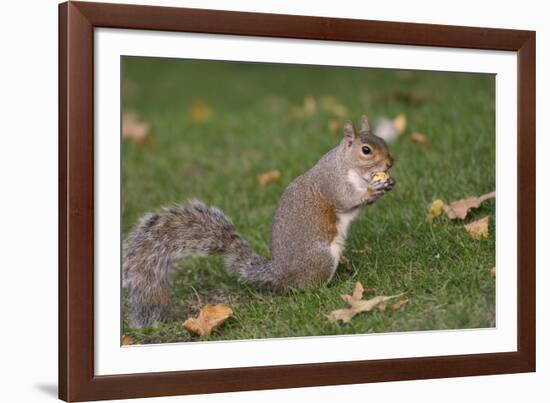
{"x": 253, "y": 128}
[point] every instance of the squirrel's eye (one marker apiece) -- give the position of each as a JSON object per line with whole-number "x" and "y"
{"x": 366, "y": 150}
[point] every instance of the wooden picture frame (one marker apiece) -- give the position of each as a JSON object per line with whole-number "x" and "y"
{"x": 77, "y": 21}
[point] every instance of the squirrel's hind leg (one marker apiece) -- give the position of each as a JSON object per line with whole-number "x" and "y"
{"x": 314, "y": 267}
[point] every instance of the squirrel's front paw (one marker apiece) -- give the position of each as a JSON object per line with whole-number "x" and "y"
{"x": 389, "y": 184}
{"x": 378, "y": 189}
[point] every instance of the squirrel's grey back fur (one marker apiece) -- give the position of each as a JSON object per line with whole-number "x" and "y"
{"x": 307, "y": 234}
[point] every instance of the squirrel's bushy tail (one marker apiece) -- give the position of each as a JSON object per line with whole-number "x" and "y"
{"x": 161, "y": 238}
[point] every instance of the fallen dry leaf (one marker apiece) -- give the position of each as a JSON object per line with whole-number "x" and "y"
{"x": 478, "y": 229}
{"x": 127, "y": 340}
{"x": 358, "y": 291}
{"x": 382, "y": 307}
{"x": 435, "y": 209}
{"x": 400, "y": 122}
{"x": 420, "y": 139}
{"x": 399, "y": 304}
{"x": 210, "y": 316}
{"x": 134, "y": 129}
{"x": 200, "y": 111}
{"x": 268, "y": 177}
{"x": 357, "y": 305}
{"x": 494, "y": 271}
{"x": 460, "y": 208}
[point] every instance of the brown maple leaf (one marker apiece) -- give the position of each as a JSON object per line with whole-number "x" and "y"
{"x": 460, "y": 208}
{"x": 210, "y": 317}
{"x": 357, "y": 305}
{"x": 358, "y": 291}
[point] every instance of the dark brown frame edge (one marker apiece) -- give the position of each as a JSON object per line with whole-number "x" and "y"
{"x": 77, "y": 21}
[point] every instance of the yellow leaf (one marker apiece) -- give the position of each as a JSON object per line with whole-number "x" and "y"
{"x": 494, "y": 271}
{"x": 400, "y": 123}
{"x": 478, "y": 229}
{"x": 210, "y": 316}
{"x": 435, "y": 209}
{"x": 266, "y": 178}
{"x": 460, "y": 208}
{"x": 200, "y": 111}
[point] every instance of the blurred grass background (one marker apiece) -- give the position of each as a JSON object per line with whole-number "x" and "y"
{"x": 215, "y": 125}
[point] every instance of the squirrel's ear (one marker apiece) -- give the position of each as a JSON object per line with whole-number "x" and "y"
{"x": 365, "y": 127}
{"x": 349, "y": 131}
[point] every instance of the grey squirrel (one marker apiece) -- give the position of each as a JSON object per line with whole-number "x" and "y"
{"x": 308, "y": 231}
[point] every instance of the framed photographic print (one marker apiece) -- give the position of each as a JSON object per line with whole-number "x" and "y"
{"x": 252, "y": 201}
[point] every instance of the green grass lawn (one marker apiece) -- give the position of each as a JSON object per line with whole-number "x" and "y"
{"x": 254, "y": 127}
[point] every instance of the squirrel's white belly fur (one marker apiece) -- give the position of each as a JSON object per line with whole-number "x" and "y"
{"x": 343, "y": 221}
